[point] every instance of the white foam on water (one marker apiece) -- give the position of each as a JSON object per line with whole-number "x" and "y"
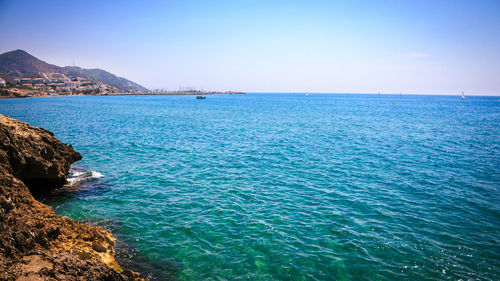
{"x": 77, "y": 174}
{"x": 76, "y": 177}
{"x": 96, "y": 175}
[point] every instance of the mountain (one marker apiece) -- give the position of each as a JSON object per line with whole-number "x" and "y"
{"x": 18, "y": 63}
{"x": 97, "y": 74}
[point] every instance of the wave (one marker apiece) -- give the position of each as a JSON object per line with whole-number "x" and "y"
{"x": 78, "y": 176}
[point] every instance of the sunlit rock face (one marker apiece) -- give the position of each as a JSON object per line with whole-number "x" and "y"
{"x": 35, "y": 243}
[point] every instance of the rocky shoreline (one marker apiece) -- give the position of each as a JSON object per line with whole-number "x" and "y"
{"x": 35, "y": 242}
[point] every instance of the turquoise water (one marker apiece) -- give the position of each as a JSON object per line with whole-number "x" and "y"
{"x": 284, "y": 187}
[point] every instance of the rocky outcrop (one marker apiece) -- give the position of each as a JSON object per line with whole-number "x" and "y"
{"x": 35, "y": 243}
{"x": 13, "y": 93}
{"x": 34, "y": 155}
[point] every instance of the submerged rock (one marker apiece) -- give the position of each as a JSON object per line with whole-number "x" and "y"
{"x": 35, "y": 243}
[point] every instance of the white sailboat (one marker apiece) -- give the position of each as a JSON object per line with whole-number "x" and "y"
{"x": 307, "y": 94}
{"x": 463, "y": 96}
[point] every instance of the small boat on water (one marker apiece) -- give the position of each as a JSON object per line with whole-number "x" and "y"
{"x": 463, "y": 96}
{"x": 307, "y": 94}
{"x": 200, "y": 97}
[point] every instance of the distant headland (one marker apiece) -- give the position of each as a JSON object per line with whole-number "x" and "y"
{"x": 23, "y": 75}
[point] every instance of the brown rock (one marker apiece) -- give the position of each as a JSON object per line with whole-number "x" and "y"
{"x": 99, "y": 247}
{"x": 34, "y": 155}
{"x": 35, "y": 243}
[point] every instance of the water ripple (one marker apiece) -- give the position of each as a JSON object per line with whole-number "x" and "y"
{"x": 282, "y": 187}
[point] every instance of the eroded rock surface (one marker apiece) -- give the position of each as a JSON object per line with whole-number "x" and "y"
{"x": 34, "y": 155}
{"x": 35, "y": 243}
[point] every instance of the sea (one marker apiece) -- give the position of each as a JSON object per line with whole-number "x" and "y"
{"x": 282, "y": 186}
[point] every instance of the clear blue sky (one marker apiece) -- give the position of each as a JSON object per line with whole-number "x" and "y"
{"x": 281, "y": 46}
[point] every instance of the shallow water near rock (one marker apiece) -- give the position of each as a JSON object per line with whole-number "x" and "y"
{"x": 287, "y": 187}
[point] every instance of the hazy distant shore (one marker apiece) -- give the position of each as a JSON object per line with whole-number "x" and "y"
{"x": 27, "y": 94}
{"x": 192, "y": 93}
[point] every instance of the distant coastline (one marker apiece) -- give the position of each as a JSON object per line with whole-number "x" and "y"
{"x": 27, "y": 93}
{"x": 23, "y": 75}
{"x": 172, "y": 93}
